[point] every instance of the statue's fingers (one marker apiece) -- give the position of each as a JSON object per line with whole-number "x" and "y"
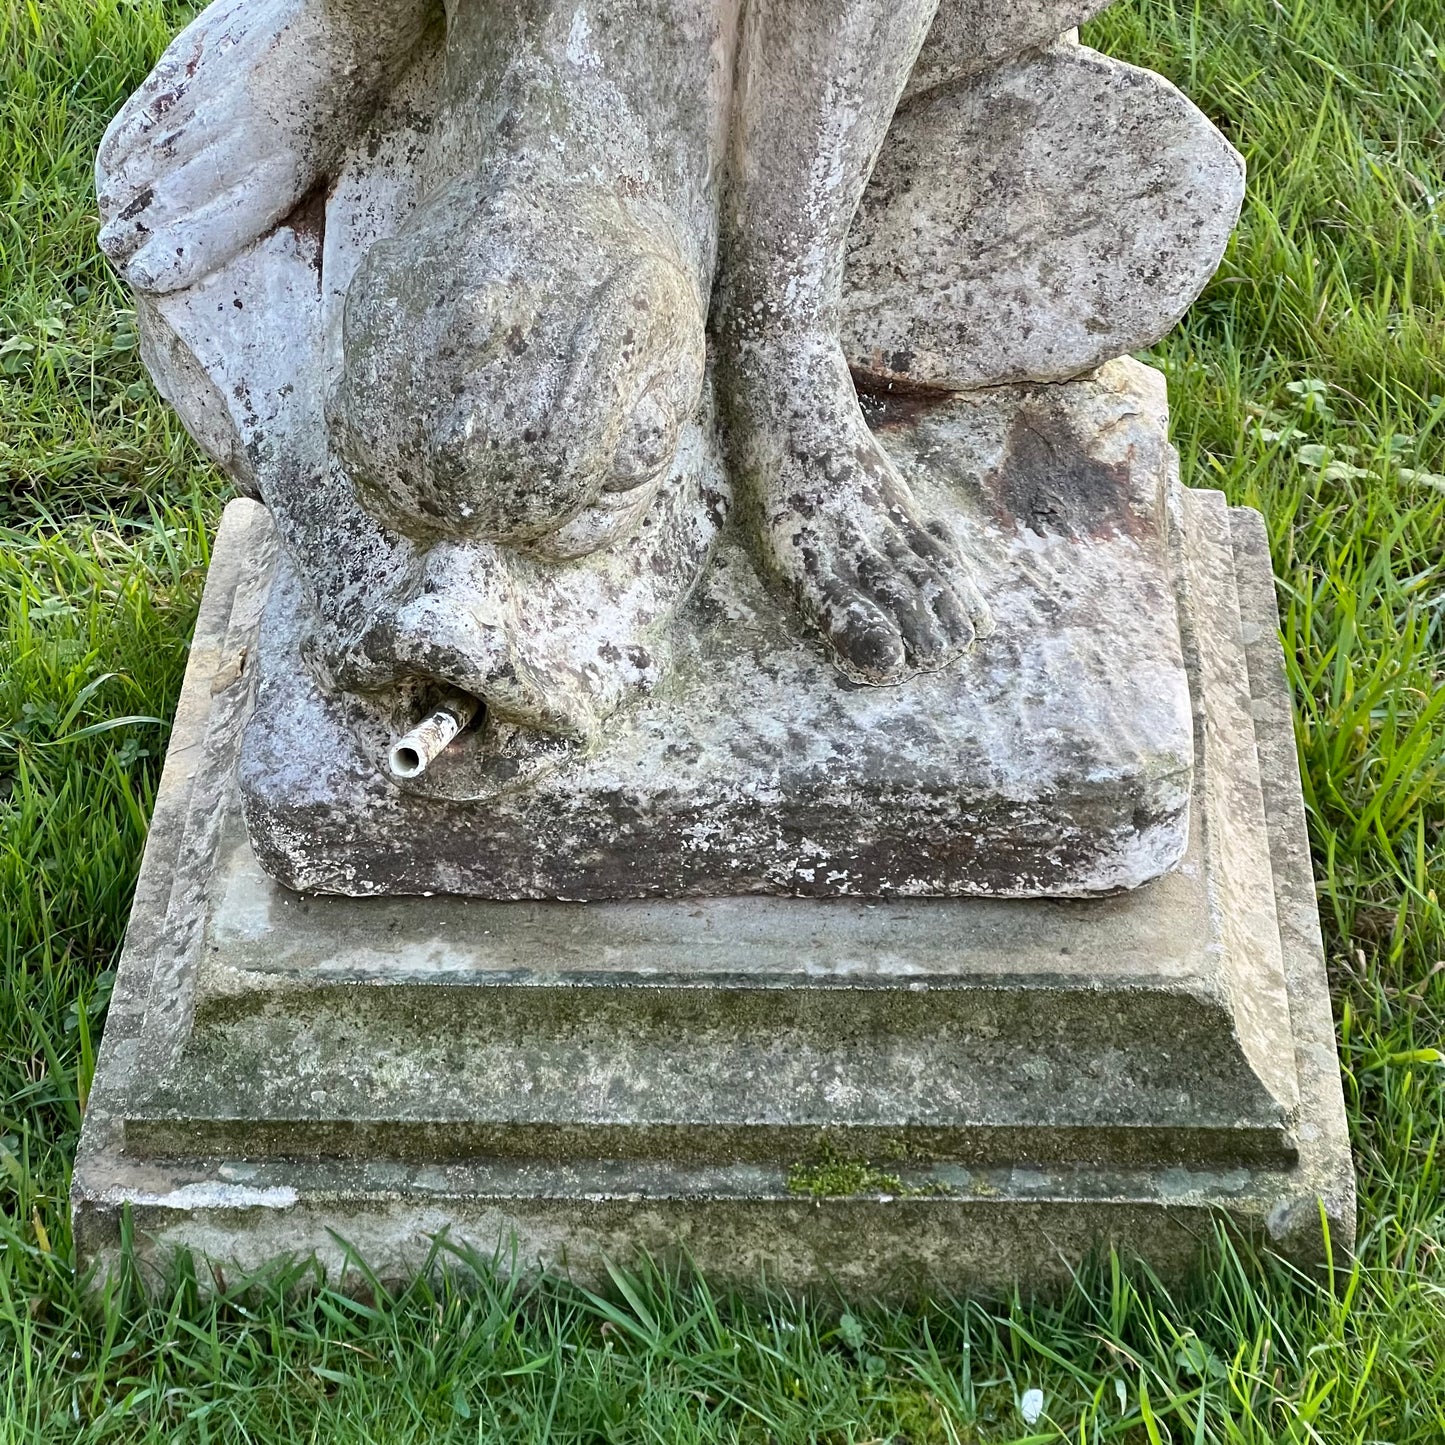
{"x": 122, "y": 177}
{"x": 166, "y": 100}
{"x": 176, "y": 172}
{"x": 187, "y": 242}
{"x": 176, "y": 116}
{"x": 156, "y": 192}
{"x": 134, "y": 129}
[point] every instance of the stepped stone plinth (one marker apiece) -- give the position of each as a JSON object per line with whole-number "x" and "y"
{"x": 282, "y": 1070}
{"x": 722, "y": 678}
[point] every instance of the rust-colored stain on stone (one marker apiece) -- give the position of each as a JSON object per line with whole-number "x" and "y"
{"x": 1049, "y": 482}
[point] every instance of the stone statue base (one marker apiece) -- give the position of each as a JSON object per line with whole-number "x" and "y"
{"x": 1055, "y": 759}
{"x": 1025, "y": 1079}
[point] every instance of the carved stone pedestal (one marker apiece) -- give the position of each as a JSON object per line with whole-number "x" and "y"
{"x": 1030, "y": 1079}
{"x": 1054, "y": 759}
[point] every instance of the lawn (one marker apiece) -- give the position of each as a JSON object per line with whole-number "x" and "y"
{"x": 1309, "y": 381}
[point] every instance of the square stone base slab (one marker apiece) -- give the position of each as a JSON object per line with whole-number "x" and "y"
{"x": 1054, "y": 759}
{"x": 1042, "y": 1077}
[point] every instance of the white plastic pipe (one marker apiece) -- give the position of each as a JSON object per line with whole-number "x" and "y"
{"x": 413, "y": 754}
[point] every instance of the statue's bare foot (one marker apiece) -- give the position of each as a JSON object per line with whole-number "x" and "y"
{"x": 243, "y": 114}
{"x": 834, "y": 520}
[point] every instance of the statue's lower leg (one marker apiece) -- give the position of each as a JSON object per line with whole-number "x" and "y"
{"x": 831, "y": 516}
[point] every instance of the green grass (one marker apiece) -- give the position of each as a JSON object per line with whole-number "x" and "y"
{"x": 1308, "y": 381}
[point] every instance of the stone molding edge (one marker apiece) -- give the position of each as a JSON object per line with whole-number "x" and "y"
{"x": 1294, "y": 1226}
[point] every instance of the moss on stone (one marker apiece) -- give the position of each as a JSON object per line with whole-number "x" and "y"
{"x": 835, "y": 1175}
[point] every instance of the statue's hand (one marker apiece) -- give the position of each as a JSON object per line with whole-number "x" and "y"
{"x": 243, "y": 114}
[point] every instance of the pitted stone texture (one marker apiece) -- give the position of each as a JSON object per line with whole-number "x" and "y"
{"x": 1032, "y": 222}
{"x": 247, "y": 348}
{"x": 525, "y": 284}
{"x": 245, "y": 112}
{"x": 545, "y": 194}
{"x": 1055, "y": 759}
{"x": 969, "y": 36}
{"x": 247, "y": 355}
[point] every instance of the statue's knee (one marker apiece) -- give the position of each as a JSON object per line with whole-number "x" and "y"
{"x": 547, "y": 377}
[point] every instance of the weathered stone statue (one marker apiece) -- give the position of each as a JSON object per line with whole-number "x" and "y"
{"x": 600, "y": 272}
{"x": 710, "y": 484}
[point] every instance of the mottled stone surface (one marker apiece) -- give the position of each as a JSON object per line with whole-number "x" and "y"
{"x": 533, "y": 329}
{"x": 1055, "y": 759}
{"x": 969, "y": 36}
{"x": 590, "y": 1082}
{"x": 251, "y": 350}
{"x": 1033, "y": 221}
{"x": 499, "y": 312}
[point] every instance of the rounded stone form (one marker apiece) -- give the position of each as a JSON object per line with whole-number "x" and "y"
{"x": 1030, "y": 223}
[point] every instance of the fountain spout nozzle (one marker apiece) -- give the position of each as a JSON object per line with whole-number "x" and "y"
{"x": 413, "y": 754}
